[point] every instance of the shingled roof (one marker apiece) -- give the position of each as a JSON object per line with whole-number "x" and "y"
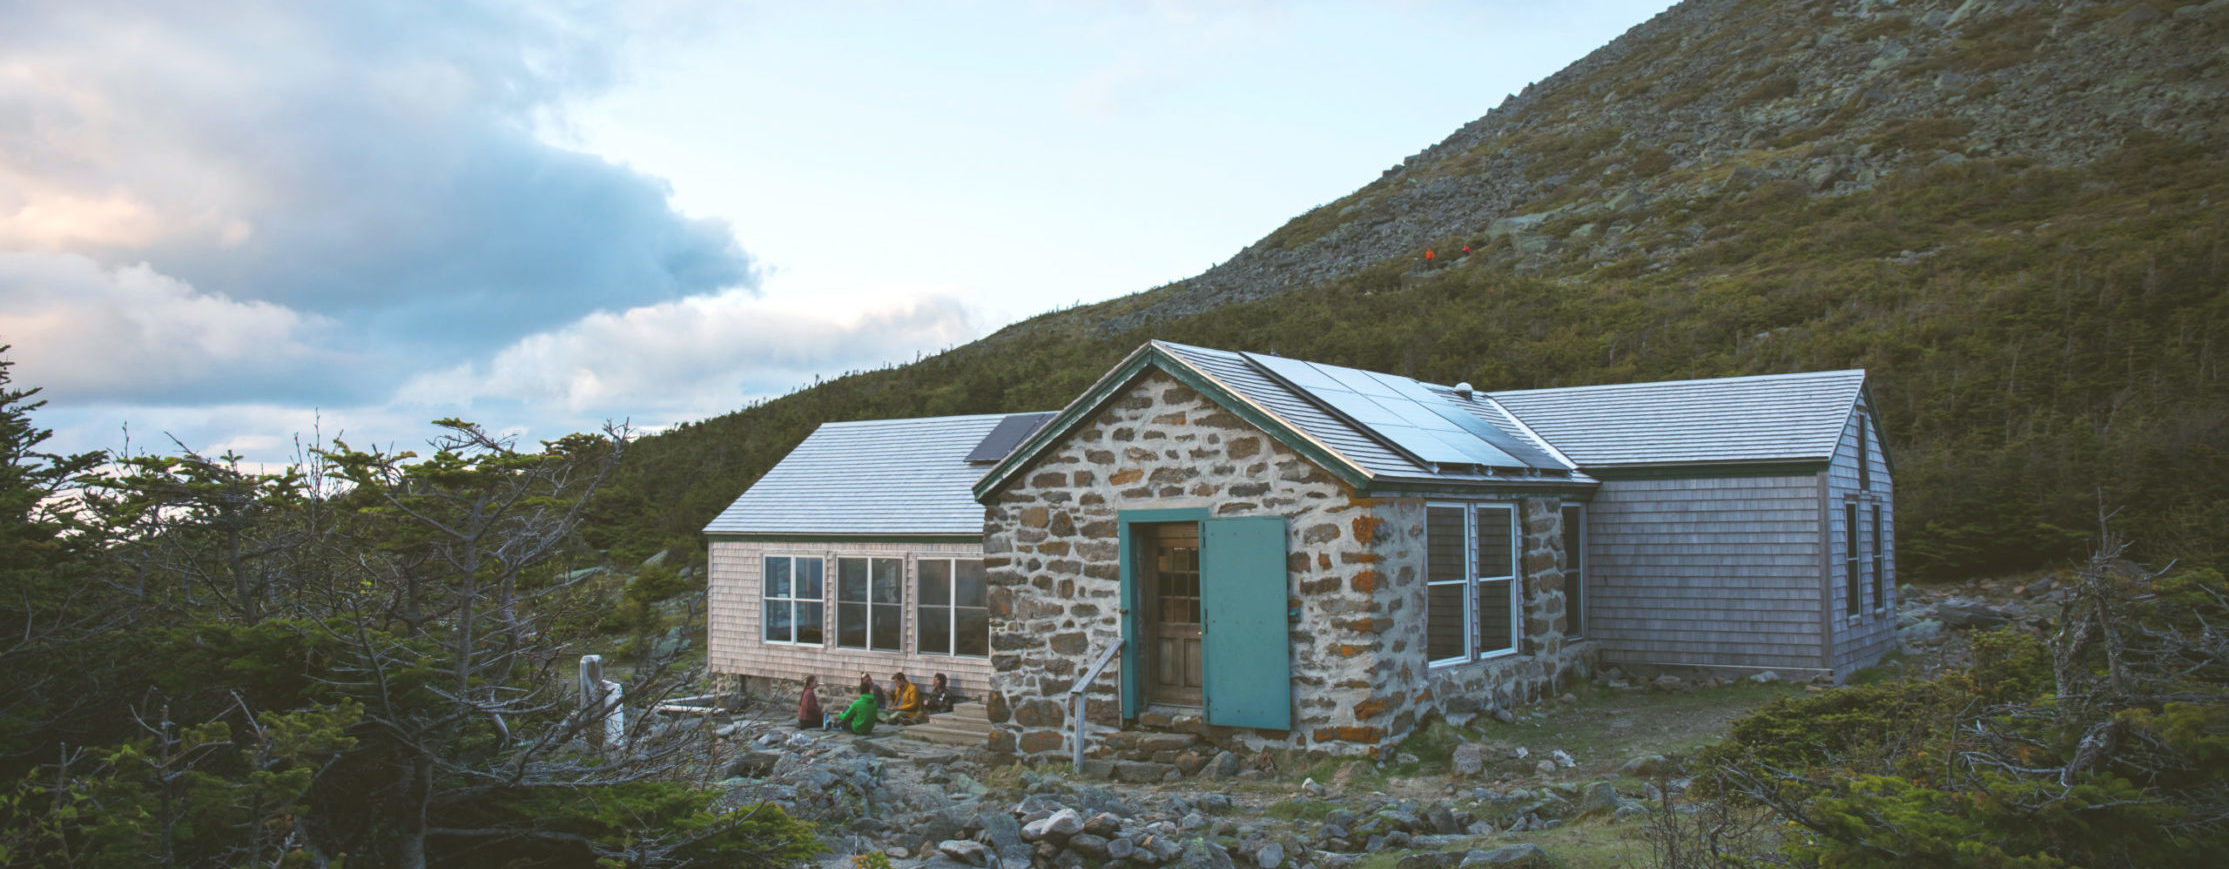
{"x": 1772, "y": 418}
{"x": 878, "y": 478}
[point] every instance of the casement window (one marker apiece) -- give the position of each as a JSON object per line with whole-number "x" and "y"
{"x": 950, "y": 615}
{"x": 1472, "y": 598}
{"x": 1880, "y": 563}
{"x": 1853, "y": 579}
{"x": 870, "y": 609}
{"x": 792, "y": 602}
{"x": 1575, "y": 569}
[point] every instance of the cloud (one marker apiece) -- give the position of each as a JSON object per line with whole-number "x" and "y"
{"x": 373, "y": 163}
{"x": 691, "y": 358}
{"x": 86, "y": 333}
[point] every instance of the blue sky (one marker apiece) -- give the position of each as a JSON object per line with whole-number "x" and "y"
{"x": 236, "y": 223}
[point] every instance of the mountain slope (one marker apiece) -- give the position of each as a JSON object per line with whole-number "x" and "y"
{"x": 2011, "y": 212}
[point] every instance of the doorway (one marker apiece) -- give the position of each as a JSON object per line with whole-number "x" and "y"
{"x": 1170, "y": 554}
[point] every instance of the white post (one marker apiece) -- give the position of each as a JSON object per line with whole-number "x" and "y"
{"x": 615, "y": 715}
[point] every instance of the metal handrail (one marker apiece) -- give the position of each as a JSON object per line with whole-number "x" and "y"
{"x": 1076, "y": 700}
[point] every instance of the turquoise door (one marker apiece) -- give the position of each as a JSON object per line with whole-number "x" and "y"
{"x": 1245, "y": 652}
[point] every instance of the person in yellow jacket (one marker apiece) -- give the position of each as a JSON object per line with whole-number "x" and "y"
{"x": 905, "y": 706}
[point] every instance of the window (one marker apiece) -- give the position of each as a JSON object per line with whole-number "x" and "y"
{"x": 1852, "y": 575}
{"x": 1864, "y": 453}
{"x": 1472, "y": 598}
{"x": 792, "y": 613}
{"x": 1575, "y": 569}
{"x": 1446, "y": 575}
{"x": 1880, "y": 567}
{"x": 951, "y": 617}
{"x": 869, "y": 609}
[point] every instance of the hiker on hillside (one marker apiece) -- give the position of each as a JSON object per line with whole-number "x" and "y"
{"x": 1427, "y": 257}
{"x": 941, "y": 696}
{"x": 905, "y": 706}
{"x": 859, "y": 718}
{"x": 809, "y": 714}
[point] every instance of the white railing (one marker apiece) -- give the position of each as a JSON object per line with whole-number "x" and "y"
{"x": 1076, "y": 694}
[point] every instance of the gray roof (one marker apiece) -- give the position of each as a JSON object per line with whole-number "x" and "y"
{"x": 866, "y": 479}
{"x": 1730, "y": 420}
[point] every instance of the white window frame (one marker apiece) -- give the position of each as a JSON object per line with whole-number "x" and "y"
{"x": 1475, "y": 580}
{"x": 1883, "y": 585}
{"x": 951, "y": 607}
{"x": 1465, "y": 582}
{"x": 767, "y": 602}
{"x": 835, "y": 629}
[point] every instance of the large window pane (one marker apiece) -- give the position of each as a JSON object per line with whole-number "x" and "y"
{"x": 1852, "y": 582}
{"x": 1444, "y": 545}
{"x": 933, "y": 631}
{"x": 779, "y": 625}
{"x": 777, "y": 577}
{"x": 967, "y": 577}
{"x": 1443, "y": 634}
{"x": 851, "y": 580}
{"x": 807, "y": 578}
{"x": 851, "y": 625}
{"x": 933, "y": 585}
{"x": 1497, "y": 619}
{"x": 887, "y": 621}
{"x": 887, "y": 578}
{"x": 1497, "y": 555}
{"x": 808, "y": 622}
{"x": 1880, "y": 565}
{"x": 971, "y": 631}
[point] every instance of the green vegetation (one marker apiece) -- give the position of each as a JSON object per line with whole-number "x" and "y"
{"x": 360, "y": 661}
{"x": 2102, "y": 746}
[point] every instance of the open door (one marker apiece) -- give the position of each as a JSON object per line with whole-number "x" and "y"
{"x": 1246, "y": 655}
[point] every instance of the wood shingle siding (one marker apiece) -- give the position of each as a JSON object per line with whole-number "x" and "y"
{"x": 1712, "y": 571}
{"x": 735, "y": 597}
{"x": 1863, "y": 640}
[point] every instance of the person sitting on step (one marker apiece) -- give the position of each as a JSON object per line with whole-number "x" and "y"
{"x": 941, "y": 696}
{"x": 809, "y": 714}
{"x": 905, "y": 707}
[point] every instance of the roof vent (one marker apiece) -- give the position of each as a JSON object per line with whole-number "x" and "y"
{"x": 1463, "y": 389}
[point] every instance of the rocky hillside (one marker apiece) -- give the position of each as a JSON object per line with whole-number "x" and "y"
{"x": 2015, "y": 214}
{"x": 1598, "y": 164}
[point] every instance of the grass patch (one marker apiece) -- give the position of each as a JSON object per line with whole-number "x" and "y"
{"x": 1300, "y": 809}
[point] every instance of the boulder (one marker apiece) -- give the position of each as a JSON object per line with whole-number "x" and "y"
{"x": 1961, "y": 613}
{"x": 1646, "y": 766}
{"x": 1468, "y": 759}
{"x": 962, "y": 850}
{"x": 1528, "y": 856}
{"x": 1545, "y": 767}
{"x": 1600, "y": 796}
{"x": 1089, "y": 845}
{"x": 1765, "y": 678}
{"x": 1058, "y": 827}
{"x": 1431, "y": 860}
{"x": 754, "y": 764}
{"x": 1270, "y": 856}
{"x": 1562, "y": 759}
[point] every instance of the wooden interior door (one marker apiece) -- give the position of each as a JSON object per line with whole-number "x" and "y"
{"x": 1170, "y": 554}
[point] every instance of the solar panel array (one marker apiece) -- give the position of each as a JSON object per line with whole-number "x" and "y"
{"x": 1407, "y": 414}
{"x": 1009, "y": 434}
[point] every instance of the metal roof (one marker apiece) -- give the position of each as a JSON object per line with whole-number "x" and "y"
{"x": 1729, "y": 420}
{"x": 872, "y": 478}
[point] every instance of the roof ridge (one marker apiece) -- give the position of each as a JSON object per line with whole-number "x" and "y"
{"x": 1744, "y": 378}
{"x": 904, "y": 419}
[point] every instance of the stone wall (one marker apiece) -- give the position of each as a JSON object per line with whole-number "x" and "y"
{"x": 1355, "y": 569}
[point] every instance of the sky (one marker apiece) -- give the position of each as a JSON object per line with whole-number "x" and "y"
{"x": 237, "y": 226}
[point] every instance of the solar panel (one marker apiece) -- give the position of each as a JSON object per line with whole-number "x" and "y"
{"x": 1004, "y": 437}
{"x": 1412, "y": 418}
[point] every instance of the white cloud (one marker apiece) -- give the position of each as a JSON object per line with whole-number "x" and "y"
{"x": 88, "y": 333}
{"x": 697, "y": 356}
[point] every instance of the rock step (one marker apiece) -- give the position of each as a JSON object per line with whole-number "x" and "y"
{"x": 966, "y": 724}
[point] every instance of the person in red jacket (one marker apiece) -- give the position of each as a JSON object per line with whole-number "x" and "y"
{"x": 809, "y": 715}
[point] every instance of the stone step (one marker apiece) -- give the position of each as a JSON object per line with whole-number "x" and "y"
{"x": 966, "y": 724}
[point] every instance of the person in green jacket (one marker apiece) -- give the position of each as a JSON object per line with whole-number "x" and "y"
{"x": 860, "y": 717}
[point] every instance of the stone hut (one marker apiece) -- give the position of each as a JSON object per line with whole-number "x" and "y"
{"x": 1273, "y": 553}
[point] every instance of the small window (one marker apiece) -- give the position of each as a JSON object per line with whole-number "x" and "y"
{"x": 1853, "y": 580}
{"x": 951, "y": 616}
{"x": 1880, "y": 563}
{"x": 869, "y": 610}
{"x": 1575, "y": 568}
{"x": 793, "y": 603}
